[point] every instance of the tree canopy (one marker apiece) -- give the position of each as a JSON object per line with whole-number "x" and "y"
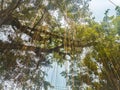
{"x": 33, "y": 30}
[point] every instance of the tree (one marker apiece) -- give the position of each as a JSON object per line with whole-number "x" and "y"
{"x": 33, "y": 30}
{"x": 99, "y": 68}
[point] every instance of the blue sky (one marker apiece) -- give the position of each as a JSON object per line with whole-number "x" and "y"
{"x": 98, "y": 7}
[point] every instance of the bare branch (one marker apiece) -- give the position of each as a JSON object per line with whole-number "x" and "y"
{"x": 113, "y": 3}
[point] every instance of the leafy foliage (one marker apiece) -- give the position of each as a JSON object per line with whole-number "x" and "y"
{"x": 35, "y": 29}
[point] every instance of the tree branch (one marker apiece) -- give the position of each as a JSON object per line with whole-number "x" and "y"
{"x": 4, "y": 14}
{"x": 2, "y": 1}
{"x": 16, "y": 46}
